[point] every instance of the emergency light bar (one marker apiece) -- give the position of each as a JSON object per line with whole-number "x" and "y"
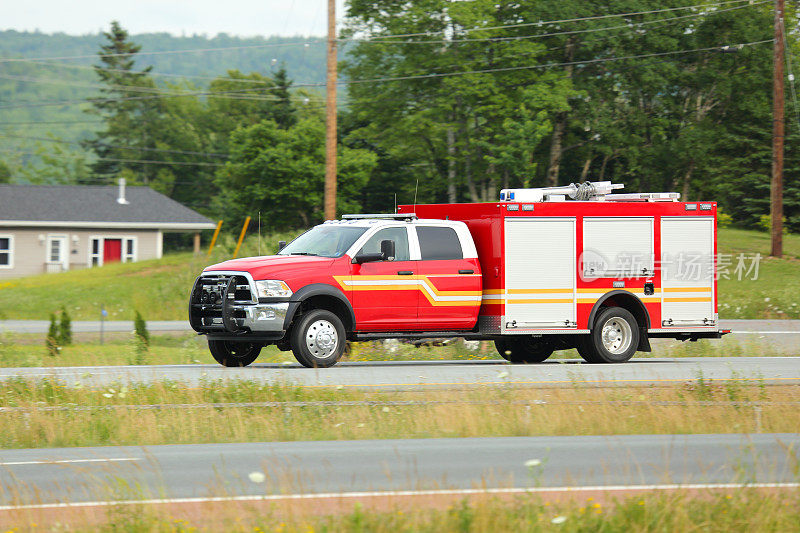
{"x": 581, "y": 192}
{"x": 383, "y": 216}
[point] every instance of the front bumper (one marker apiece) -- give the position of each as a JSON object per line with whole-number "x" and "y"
{"x": 225, "y": 303}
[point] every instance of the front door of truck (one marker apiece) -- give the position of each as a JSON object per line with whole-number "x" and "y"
{"x": 450, "y": 283}
{"x": 384, "y": 293}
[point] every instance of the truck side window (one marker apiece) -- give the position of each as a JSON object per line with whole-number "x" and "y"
{"x": 398, "y": 235}
{"x": 439, "y": 243}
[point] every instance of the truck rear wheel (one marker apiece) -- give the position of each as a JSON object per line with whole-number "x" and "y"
{"x": 524, "y": 349}
{"x": 613, "y": 339}
{"x": 318, "y": 339}
{"x": 231, "y": 353}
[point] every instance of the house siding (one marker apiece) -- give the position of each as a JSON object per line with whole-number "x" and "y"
{"x": 30, "y": 253}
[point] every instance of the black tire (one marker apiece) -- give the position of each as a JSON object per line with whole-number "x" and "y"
{"x": 234, "y": 353}
{"x": 614, "y": 337}
{"x": 318, "y": 339}
{"x": 524, "y": 349}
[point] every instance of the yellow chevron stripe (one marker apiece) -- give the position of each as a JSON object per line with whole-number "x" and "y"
{"x": 542, "y": 301}
{"x": 536, "y": 291}
{"x": 688, "y": 289}
{"x": 609, "y": 289}
{"x": 698, "y": 299}
{"x": 409, "y": 287}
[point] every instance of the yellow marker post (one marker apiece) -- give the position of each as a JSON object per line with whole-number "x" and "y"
{"x": 214, "y": 238}
{"x": 241, "y": 237}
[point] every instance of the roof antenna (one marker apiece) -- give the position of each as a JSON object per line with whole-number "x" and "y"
{"x": 259, "y": 233}
{"x": 415, "y": 196}
{"x": 395, "y": 203}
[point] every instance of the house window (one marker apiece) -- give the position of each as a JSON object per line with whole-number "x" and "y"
{"x": 6, "y": 251}
{"x": 95, "y": 254}
{"x": 129, "y": 250}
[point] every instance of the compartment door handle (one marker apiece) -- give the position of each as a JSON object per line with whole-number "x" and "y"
{"x": 405, "y": 273}
{"x": 467, "y": 271}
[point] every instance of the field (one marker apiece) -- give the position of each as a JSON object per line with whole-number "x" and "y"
{"x": 48, "y": 413}
{"x": 158, "y": 288}
{"x": 51, "y": 414}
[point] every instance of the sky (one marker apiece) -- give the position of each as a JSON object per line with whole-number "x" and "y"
{"x": 243, "y": 18}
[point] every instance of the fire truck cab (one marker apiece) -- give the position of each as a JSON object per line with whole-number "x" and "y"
{"x": 534, "y": 272}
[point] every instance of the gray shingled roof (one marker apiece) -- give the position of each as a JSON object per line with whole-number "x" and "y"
{"x": 91, "y": 204}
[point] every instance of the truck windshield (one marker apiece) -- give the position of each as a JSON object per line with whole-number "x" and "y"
{"x": 325, "y": 241}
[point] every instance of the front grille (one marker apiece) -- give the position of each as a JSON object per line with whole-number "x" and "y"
{"x": 206, "y": 300}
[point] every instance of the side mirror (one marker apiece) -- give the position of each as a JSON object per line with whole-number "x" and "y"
{"x": 281, "y": 245}
{"x": 387, "y": 250}
{"x": 367, "y": 258}
{"x": 386, "y": 254}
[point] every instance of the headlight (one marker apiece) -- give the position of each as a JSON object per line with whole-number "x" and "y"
{"x": 272, "y": 288}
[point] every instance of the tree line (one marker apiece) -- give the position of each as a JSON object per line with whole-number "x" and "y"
{"x": 451, "y": 101}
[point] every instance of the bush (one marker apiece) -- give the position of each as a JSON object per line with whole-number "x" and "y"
{"x": 51, "y": 341}
{"x": 140, "y": 329}
{"x": 724, "y": 220}
{"x": 765, "y": 224}
{"x": 65, "y": 328}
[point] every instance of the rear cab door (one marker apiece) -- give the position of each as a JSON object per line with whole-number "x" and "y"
{"x": 384, "y": 293}
{"x": 449, "y": 276}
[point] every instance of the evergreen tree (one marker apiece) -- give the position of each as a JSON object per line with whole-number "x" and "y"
{"x": 65, "y": 328}
{"x": 128, "y": 108}
{"x": 282, "y": 109}
{"x": 140, "y": 329}
{"x": 51, "y": 340}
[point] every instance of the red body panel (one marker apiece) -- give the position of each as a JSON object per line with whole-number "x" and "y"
{"x": 442, "y": 283}
{"x": 485, "y": 222}
{"x": 385, "y": 307}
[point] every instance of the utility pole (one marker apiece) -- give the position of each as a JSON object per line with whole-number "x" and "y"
{"x": 778, "y": 124}
{"x": 330, "y": 122}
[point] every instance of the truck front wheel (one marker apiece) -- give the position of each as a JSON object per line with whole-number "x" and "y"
{"x": 524, "y": 349}
{"x": 318, "y": 339}
{"x": 230, "y": 353}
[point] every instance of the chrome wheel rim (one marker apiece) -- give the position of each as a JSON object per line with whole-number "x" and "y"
{"x": 322, "y": 339}
{"x": 616, "y": 335}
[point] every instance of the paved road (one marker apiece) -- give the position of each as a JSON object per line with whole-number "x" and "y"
{"x": 423, "y": 374}
{"x": 205, "y": 470}
{"x": 93, "y": 326}
{"x": 773, "y": 337}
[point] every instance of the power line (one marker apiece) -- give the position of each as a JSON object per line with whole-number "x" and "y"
{"x": 551, "y": 22}
{"x": 320, "y": 41}
{"x": 567, "y": 32}
{"x": 121, "y": 160}
{"x": 549, "y": 65}
{"x": 158, "y": 150}
{"x": 159, "y": 52}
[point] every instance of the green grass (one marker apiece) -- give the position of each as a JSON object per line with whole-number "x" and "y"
{"x": 159, "y": 288}
{"x": 734, "y": 511}
{"x": 49, "y": 413}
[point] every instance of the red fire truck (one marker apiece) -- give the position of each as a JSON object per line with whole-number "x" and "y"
{"x": 540, "y": 270}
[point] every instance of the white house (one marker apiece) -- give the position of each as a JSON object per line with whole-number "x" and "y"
{"x": 53, "y": 228}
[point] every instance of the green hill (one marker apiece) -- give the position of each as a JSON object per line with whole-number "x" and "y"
{"x": 29, "y": 90}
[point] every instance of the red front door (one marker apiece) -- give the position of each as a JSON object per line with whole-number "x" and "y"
{"x": 112, "y": 250}
{"x": 451, "y": 283}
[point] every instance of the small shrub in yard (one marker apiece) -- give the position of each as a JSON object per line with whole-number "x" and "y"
{"x": 724, "y": 220}
{"x": 65, "y": 328}
{"x": 51, "y": 341}
{"x": 140, "y": 329}
{"x": 765, "y": 223}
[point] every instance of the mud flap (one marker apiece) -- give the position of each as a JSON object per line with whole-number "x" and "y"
{"x": 644, "y": 341}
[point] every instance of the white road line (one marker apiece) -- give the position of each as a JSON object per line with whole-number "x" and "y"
{"x": 69, "y": 461}
{"x": 406, "y": 493}
{"x": 767, "y": 332}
